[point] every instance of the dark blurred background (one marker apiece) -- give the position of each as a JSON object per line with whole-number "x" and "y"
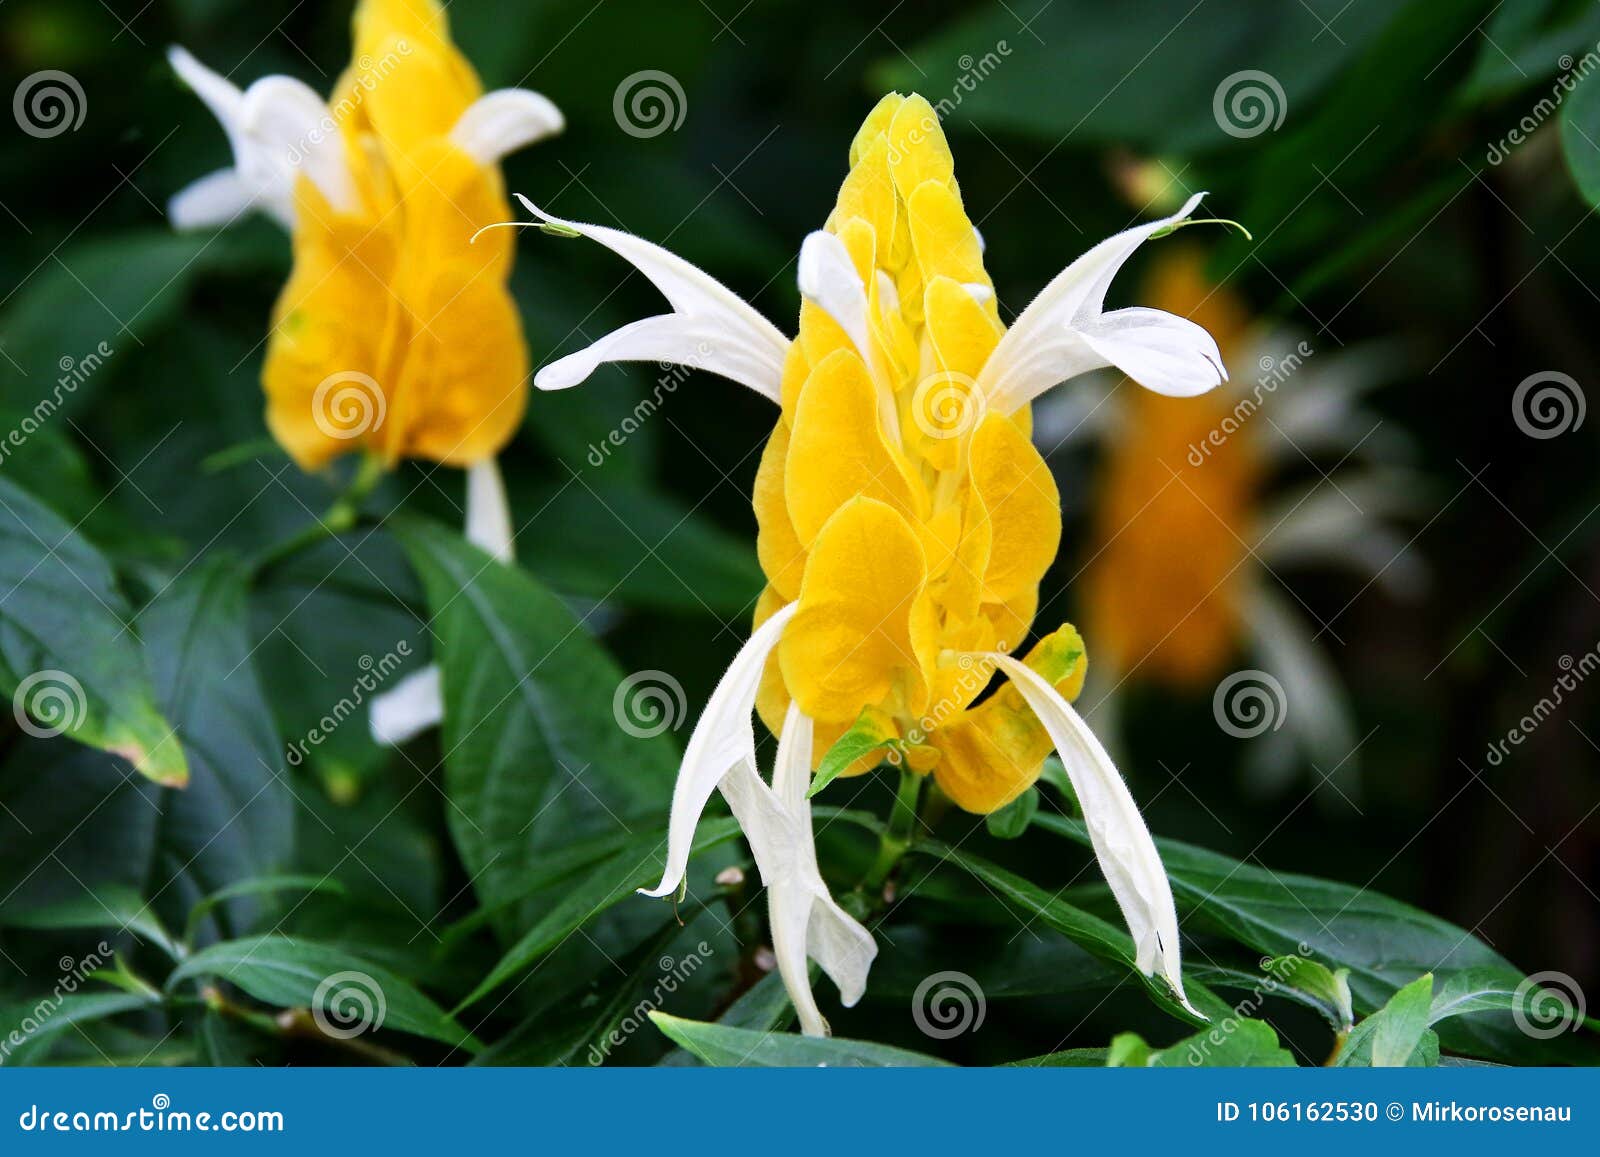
{"x": 1379, "y": 208}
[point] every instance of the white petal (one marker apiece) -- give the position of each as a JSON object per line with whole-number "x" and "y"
{"x": 1122, "y": 843}
{"x": 1160, "y": 351}
{"x": 722, "y": 739}
{"x": 218, "y": 198}
{"x": 501, "y": 122}
{"x": 1045, "y": 345}
{"x": 290, "y": 130}
{"x": 828, "y": 279}
{"x": 219, "y": 93}
{"x": 488, "y": 514}
{"x": 711, "y": 327}
{"x": 407, "y": 709}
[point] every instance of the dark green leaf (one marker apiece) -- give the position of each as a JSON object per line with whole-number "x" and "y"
{"x": 1012, "y": 820}
{"x": 112, "y": 906}
{"x": 719, "y": 1045}
{"x": 1233, "y": 1043}
{"x": 1394, "y": 1036}
{"x": 38, "y": 1023}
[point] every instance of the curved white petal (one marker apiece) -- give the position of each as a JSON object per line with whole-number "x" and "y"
{"x": 220, "y": 94}
{"x": 1160, "y": 351}
{"x": 407, "y": 709}
{"x": 501, "y": 122}
{"x": 218, "y": 198}
{"x": 828, "y": 279}
{"x": 1122, "y": 843}
{"x": 1065, "y": 330}
{"x": 488, "y": 513}
{"x": 711, "y": 327}
{"x": 723, "y": 738}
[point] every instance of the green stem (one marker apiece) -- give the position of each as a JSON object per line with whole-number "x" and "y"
{"x": 340, "y": 517}
{"x": 897, "y": 837}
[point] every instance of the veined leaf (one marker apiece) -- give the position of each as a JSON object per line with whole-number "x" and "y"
{"x": 1396, "y": 1035}
{"x": 873, "y": 731}
{"x": 1240, "y": 1043}
{"x": 68, "y": 656}
{"x": 112, "y": 906}
{"x": 722, "y": 1046}
{"x": 40, "y": 1022}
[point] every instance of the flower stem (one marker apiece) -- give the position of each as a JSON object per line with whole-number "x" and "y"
{"x": 340, "y": 516}
{"x": 897, "y": 837}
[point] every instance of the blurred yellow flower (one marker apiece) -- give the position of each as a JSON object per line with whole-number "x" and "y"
{"x": 905, "y": 523}
{"x": 393, "y": 333}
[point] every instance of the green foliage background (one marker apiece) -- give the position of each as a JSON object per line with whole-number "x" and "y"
{"x": 483, "y": 875}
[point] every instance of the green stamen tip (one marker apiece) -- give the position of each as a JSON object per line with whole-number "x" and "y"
{"x": 555, "y": 230}
{"x": 1168, "y": 230}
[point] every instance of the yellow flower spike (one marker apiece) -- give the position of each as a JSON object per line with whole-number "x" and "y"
{"x": 906, "y": 519}
{"x": 865, "y": 630}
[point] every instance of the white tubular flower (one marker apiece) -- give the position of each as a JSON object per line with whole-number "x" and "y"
{"x": 776, "y": 820}
{"x": 711, "y": 327}
{"x": 1123, "y": 845}
{"x": 1066, "y": 331}
{"x": 416, "y": 703}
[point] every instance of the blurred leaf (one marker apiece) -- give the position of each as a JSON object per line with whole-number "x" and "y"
{"x": 39, "y": 1022}
{"x": 534, "y": 756}
{"x": 1580, "y": 140}
{"x": 89, "y": 306}
{"x": 719, "y": 1045}
{"x": 259, "y": 886}
{"x": 1394, "y": 1036}
{"x": 1239, "y": 1043}
{"x": 67, "y": 653}
{"x": 1012, "y": 820}
{"x": 293, "y": 973}
{"x": 575, "y": 902}
{"x": 1520, "y": 47}
{"x": 635, "y": 547}
{"x": 1067, "y": 1059}
{"x": 113, "y": 906}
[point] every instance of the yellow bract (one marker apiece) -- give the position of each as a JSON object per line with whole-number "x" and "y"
{"x": 910, "y": 522}
{"x": 393, "y": 333}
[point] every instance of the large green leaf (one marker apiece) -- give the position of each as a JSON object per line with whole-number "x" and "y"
{"x": 37, "y": 1023}
{"x": 534, "y": 756}
{"x": 75, "y": 820}
{"x": 1235, "y": 1043}
{"x": 1580, "y": 140}
{"x": 349, "y": 990}
{"x": 1384, "y": 943}
{"x": 720, "y": 1045}
{"x": 68, "y": 654}
{"x": 1396, "y": 1036}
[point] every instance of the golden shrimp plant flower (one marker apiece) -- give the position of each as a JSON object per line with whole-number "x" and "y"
{"x": 393, "y": 335}
{"x": 905, "y": 523}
